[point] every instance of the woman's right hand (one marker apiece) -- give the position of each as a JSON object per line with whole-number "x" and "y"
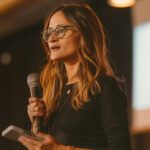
{"x": 36, "y": 108}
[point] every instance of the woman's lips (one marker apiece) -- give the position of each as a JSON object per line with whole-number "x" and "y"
{"x": 55, "y": 49}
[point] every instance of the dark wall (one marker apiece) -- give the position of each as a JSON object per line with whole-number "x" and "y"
{"x": 27, "y": 52}
{"x": 117, "y": 25}
{"x": 118, "y": 30}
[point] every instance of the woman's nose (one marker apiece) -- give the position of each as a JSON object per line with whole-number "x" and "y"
{"x": 53, "y": 38}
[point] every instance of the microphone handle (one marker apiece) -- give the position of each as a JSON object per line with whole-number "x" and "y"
{"x": 35, "y": 92}
{"x": 37, "y": 121}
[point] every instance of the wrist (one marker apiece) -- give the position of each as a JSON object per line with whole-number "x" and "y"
{"x": 64, "y": 147}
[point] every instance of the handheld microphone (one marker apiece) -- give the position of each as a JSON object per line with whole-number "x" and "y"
{"x": 33, "y": 81}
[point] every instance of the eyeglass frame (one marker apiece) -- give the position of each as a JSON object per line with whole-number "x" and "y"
{"x": 53, "y": 30}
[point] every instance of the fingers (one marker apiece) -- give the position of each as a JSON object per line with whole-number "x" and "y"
{"x": 46, "y": 137}
{"x": 29, "y": 143}
{"x": 36, "y": 108}
{"x": 35, "y": 99}
{"x": 42, "y": 135}
{"x": 48, "y": 143}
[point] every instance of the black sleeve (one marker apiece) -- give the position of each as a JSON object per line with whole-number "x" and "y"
{"x": 113, "y": 115}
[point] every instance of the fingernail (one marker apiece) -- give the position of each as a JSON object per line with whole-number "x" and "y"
{"x": 20, "y": 139}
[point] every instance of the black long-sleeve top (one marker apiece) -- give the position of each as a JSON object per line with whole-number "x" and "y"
{"x": 100, "y": 124}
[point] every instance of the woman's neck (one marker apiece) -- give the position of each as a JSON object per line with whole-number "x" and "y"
{"x": 72, "y": 71}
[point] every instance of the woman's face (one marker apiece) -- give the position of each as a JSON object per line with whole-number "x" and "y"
{"x": 66, "y": 48}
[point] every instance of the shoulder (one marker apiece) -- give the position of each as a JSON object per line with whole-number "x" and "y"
{"x": 108, "y": 82}
{"x": 111, "y": 90}
{"x": 111, "y": 87}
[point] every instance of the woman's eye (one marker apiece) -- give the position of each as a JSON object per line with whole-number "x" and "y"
{"x": 49, "y": 33}
{"x": 60, "y": 31}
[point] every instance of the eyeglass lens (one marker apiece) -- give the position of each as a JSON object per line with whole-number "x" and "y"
{"x": 58, "y": 32}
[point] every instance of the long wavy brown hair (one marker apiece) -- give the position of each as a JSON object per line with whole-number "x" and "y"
{"x": 93, "y": 59}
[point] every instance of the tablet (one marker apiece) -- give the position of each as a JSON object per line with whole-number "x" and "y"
{"x": 12, "y": 132}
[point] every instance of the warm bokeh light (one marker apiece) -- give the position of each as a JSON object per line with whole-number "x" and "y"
{"x": 5, "y": 58}
{"x": 121, "y": 3}
{"x": 7, "y": 4}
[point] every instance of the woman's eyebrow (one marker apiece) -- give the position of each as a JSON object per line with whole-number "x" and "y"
{"x": 57, "y": 26}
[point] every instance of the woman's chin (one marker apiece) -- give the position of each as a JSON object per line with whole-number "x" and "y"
{"x": 53, "y": 58}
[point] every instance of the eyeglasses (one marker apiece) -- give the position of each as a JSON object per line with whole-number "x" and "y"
{"x": 59, "y": 32}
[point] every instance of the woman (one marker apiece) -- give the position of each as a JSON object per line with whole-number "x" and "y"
{"x": 82, "y": 101}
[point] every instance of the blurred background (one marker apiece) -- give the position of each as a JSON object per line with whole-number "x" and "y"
{"x": 127, "y": 27}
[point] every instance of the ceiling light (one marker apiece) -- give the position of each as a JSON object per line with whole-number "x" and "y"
{"x": 7, "y": 4}
{"x": 121, "y": 3}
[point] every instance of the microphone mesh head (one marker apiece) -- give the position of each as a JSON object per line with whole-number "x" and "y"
{"x": 33, "y": 80}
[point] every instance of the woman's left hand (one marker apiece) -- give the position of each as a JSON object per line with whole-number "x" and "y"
{"x": 49, "y": 142}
